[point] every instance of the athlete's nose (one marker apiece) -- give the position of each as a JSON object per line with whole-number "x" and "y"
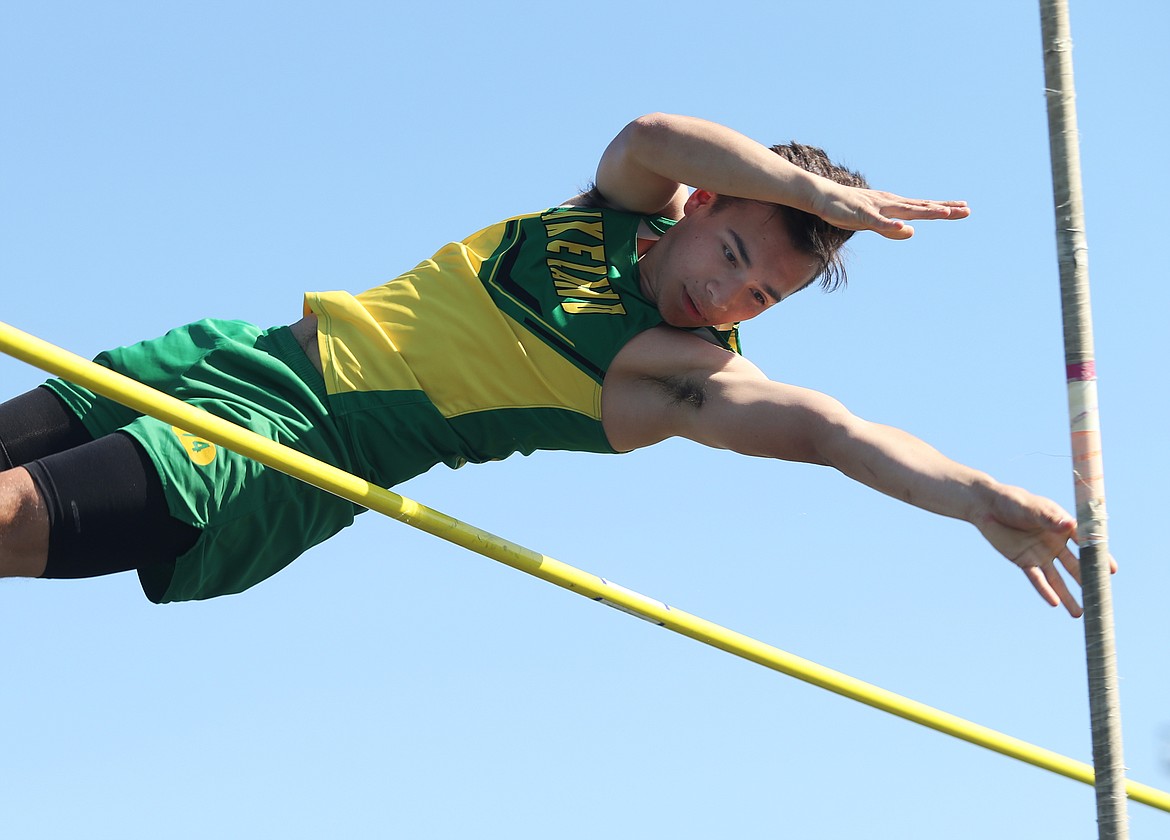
{"x": 721, "y": 293}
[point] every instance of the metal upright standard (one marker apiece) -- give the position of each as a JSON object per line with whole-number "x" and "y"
{"x": 1088, "y": 471}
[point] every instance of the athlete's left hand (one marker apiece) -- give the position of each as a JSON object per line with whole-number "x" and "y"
{"x": 1034, "y": 533}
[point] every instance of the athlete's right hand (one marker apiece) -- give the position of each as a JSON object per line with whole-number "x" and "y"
{"x": 852, "y": 208}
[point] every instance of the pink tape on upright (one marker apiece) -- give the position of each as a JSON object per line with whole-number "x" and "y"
{"x": 1082, "y": 372}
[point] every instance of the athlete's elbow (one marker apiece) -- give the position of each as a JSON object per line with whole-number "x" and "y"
{"x": 834, "y": 432}
{"x": 813, "y": 433}
{"x": 646, "y": 136}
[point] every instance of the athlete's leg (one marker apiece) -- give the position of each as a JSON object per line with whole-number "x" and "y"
{"x": 32, "y": 425}
{"x": 24, "y": 526}
{"x": 37, "y": 424}
{"x": 78, "y": 507}
{"x": 106, "y": 510}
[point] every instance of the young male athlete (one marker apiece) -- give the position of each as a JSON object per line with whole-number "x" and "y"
{"x": 605, "y": 324}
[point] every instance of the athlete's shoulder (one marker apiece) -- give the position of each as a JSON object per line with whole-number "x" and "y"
{"x": 664, "y": 350}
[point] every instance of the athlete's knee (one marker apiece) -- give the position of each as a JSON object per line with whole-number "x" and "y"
{"x": 24, "y": 526}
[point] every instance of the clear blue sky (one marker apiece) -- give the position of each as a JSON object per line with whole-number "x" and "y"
{"x": 161, "y": 163}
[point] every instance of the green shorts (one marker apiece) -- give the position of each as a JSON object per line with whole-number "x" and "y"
{"x": 254, "y": 520}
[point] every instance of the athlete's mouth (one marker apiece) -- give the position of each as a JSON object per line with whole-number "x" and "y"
{"x": 691, "y": 307}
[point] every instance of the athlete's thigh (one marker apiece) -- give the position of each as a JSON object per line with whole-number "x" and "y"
{"x": 36, "y": 424}
{"x": 106, "y": 508}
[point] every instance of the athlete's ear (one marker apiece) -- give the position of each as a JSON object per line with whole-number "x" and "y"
{"x": 697, "y": 199}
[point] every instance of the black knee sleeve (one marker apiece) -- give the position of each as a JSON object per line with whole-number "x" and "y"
{"x": 37, "y": 424}
{"x": 107, "y": 511}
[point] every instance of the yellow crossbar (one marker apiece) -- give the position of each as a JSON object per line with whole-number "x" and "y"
{"x": 102, "y": 381}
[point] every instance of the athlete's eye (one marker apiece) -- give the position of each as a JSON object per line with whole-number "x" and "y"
{"x": 728, "y": 255}
{"x": 760, "y": 299}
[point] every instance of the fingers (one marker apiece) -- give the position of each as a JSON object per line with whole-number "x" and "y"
{"x": 1061, "y": 588}
{"x": 1040, "y": 584}
{"x": 1070, "y": 526}
{"x": 1047, "y": 581}
{"x": 1070, "y": 562}
{"x": 894, "y": 229}
{"x": 1062, "y": 523}
{"x": 896, "y": 209}
{"x": 921, "y": 209}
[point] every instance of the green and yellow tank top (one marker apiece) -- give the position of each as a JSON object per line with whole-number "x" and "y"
{"x": 497, "y": 344}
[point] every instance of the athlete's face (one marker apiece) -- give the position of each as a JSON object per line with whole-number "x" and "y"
{"x": 721, "y": 266}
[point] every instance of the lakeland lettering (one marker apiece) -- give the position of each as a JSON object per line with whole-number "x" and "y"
{"x": 576, "y": 262}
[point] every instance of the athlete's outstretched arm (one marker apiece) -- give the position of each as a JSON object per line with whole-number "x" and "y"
{"x": 669, "y": 383}
{"x": 650, "y": 163}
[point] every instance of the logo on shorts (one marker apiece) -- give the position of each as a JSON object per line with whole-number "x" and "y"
{"x": 200, "y": 451}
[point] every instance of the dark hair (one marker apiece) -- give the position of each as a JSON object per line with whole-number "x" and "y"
{"x": 811, "y": 234}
